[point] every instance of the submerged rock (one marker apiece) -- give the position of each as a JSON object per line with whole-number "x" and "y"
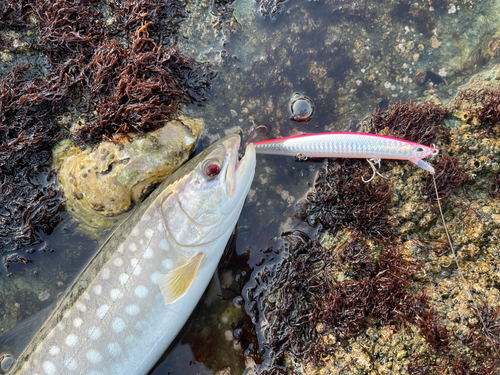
{"x": 104, "y": 182}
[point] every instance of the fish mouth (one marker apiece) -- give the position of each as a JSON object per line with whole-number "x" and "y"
{"x": 239, "y": 172}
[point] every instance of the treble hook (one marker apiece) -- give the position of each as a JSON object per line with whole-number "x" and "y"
{"x": 253, "y": 133}
{"x": 300, "y": 157}
{"x": 372, "y": 162}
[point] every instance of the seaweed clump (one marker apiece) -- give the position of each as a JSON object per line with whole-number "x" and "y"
{"x": 340, "y": 198}
{"x": 347, "y": 290}
{"x": 160, "y": 16}
{"x": 28, "y": 204}
{"x": 66, "y": 29}
{"x": 415, "y": 123}
{"x": 484, "y": 104}
{"x": 136, "y": 91}
{"x": 13, "y": 13}
{"x": 448, "y": 177}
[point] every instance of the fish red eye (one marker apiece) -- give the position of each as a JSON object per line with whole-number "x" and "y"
{"x": 212, "y": 169}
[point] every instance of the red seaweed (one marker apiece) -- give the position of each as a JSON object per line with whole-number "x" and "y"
{"x": 485, "y": 104}
{"x": 66, "y": 27}
{"x": 161, "y": 15}
{"x": 13, "y": 13}
{"x": 27, "y": 129}
{"x": 340, "y": 198}
{"x": 448, "y": 177}
{"x": 416, "y": 123}
{"x": 138, "y": 90}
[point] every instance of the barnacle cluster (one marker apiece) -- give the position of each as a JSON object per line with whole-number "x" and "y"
{"x": 443, "y": 314}
{"x": 479, "y": 106}
{"x": 113, "y": 63}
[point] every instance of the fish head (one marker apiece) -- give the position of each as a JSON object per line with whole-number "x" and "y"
{"x": 208, "y": 200}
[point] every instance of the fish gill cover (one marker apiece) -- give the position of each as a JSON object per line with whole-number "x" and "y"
{"x": 115, "y": 64}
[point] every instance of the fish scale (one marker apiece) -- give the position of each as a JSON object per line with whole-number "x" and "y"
{"x": 114, "y": 319}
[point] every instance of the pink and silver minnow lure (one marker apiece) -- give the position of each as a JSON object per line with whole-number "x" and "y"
{"x": 372, "y": 147}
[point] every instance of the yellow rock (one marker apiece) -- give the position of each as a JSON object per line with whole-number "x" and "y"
{"x": 102, "y": 183}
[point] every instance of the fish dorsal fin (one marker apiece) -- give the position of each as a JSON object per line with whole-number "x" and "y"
{"x": 175, "y": 283}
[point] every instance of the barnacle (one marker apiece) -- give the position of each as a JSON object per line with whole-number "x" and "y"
{"x": 483, "y": 104}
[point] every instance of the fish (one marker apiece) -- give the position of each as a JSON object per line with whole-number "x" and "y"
{"x": 136, "y": 293}
{"x": 349, "y": 145}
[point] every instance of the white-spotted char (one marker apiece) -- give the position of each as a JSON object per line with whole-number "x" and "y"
{"x": 135, "y": 295}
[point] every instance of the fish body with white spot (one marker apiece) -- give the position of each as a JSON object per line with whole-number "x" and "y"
{"x": 135, "y": 295}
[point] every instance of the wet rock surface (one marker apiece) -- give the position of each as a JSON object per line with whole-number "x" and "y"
{"x": 398, "y": 303}
{"x": 103, "y": 182}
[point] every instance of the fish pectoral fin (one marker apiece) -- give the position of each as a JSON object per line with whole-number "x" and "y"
{"x": 175, "y": 283}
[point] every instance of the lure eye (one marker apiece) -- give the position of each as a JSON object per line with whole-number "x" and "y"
{"x": 420, "y": 149}
{"x": 212, "y": 169}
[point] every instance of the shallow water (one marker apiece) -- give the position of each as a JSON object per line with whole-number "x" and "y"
{"x": 348, "y": 58}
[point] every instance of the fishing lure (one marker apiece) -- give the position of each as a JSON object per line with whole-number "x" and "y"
{"x": 371, "y": 147}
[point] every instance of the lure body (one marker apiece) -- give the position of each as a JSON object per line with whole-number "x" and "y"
{"x": 349, "y": 145}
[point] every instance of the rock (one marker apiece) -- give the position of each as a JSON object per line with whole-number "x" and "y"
{"x": 104, "y": 182}
{"x": 461, "y": 291}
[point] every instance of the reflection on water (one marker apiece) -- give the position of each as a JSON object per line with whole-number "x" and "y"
{"x": 182, "y": 361}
